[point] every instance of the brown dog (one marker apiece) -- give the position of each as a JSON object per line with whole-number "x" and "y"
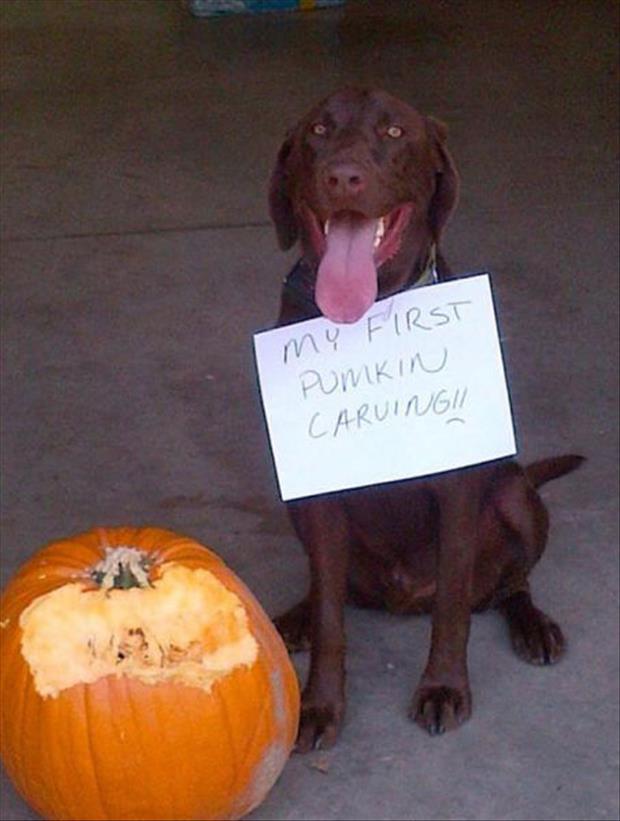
{"x": 367, "y": 185}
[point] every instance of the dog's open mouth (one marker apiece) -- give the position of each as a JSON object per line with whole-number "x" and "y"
{"x": 351, "y": 247}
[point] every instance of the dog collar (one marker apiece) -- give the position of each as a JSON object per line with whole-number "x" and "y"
{"x": 429, "y": 275}
{"x": 300, "y": 281}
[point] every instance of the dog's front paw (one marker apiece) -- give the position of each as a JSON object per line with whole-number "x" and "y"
{"x": 319, "y": 726}
{"x": 438, "y": 708}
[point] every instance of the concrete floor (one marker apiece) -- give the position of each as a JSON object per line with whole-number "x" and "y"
{"x": 138, "y": 260}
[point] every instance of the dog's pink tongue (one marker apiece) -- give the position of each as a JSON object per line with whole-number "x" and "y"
{"x": 346, "y": 284}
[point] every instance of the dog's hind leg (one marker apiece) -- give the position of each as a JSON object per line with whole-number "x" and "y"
{"x": 294, "y": 626}
{"x": 535, "y": 637}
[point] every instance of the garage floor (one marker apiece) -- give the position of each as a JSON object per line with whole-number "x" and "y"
{"x": 139, "y": 259}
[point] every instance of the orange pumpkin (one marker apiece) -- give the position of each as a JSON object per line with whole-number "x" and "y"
{"x": 140, "y": 679}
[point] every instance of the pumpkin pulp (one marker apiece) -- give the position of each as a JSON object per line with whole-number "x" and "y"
{"x": 129, "y": 616}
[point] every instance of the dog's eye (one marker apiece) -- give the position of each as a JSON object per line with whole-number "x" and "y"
{"x": 394, "y": 131}
{"x": 319, "y": 129}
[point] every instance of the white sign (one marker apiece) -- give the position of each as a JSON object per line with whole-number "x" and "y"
{"x": 415, "y": 387}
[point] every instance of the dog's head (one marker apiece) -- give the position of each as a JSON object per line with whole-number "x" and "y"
{"x": 361, "y": 181}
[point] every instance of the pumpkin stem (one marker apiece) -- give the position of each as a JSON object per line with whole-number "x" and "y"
{"x": 122, "y": 568}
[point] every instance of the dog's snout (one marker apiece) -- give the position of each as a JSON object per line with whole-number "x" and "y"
{"x": 344, "y": 179}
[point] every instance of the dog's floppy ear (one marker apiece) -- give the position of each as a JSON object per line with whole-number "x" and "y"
{"x": 280, "y": 205}
{"x": 447, "y": 186}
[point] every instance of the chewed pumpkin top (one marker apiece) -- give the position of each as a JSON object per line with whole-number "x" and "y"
{"x": 182, "y": 626}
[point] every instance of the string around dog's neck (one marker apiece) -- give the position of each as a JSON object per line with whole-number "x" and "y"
{"x": 429, "y": 275}
{"x": 300, "y": 281}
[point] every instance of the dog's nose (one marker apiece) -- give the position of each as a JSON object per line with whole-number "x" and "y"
{"x": 345, "y": 179}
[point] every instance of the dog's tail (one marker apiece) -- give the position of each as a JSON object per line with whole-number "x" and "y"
{"x": 547, "y": 469}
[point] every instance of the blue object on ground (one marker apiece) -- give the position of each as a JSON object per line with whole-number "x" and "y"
{"x": 211, "y": 8}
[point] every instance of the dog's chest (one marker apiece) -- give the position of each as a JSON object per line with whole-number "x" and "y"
{"x": 394, "y": 517}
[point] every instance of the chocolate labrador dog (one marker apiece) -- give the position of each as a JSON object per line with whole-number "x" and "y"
{"x": 366, "y": 184}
